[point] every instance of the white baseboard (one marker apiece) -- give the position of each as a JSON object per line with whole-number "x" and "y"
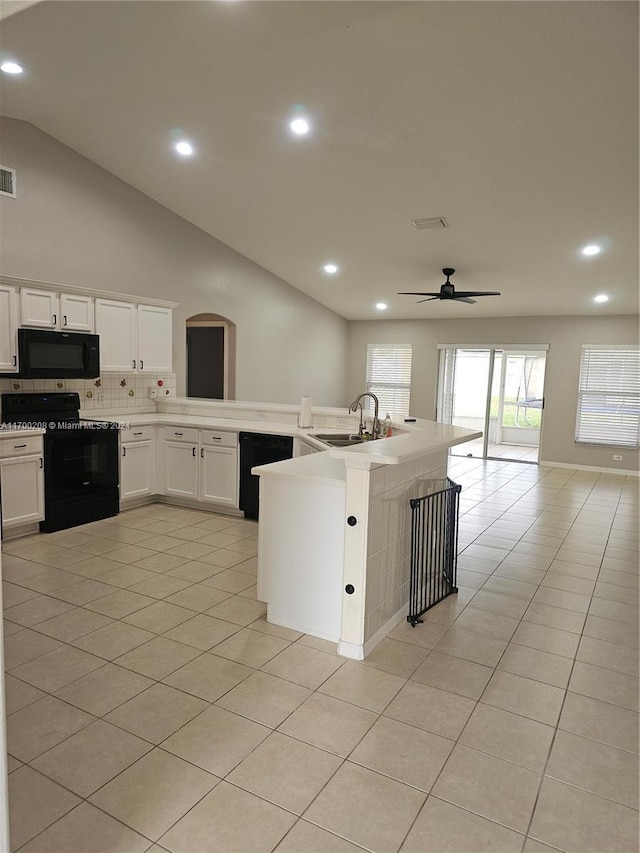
{"x": 359, "y": 652}
{"x": 619, "y": 471}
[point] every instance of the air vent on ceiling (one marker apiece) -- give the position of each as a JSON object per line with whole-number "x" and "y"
{"x": 433, "y": 223}
{"x": 7, "y": 181}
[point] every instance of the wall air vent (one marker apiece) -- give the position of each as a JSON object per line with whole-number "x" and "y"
{"x": 433, "y": 223}
{"x": 7, "y": 181}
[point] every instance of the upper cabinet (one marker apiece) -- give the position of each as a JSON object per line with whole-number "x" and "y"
{"x": 133, "y": 337}
{"x": 8, "y": 329}
{"x": 47, "y": 309}
{"x": 154, "y": 339}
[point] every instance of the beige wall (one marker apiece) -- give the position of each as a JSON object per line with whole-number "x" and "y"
{"x": 74, "y": 223}
{"x": 565, "y": 336}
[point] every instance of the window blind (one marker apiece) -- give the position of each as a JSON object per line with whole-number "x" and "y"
{"x": 609, "y": 396}
{"x": 389, "y": 377}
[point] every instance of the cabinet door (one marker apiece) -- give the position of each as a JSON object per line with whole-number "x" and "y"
{"x": 219, "y": 475}
{"x": 136, "y": 469}
{"x": 117, "y": 327}
{"x": 22, "y": 490}
{"x": 38, "y": 308}
{"x": 8, "y": 329}
{"x": 76, "y": 313}
{"x": 180, "y": 469}
{"x": 154, "y": 339}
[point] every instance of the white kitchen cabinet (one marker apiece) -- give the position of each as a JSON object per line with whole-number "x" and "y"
{"x": 39, "y": 308}
{"x": 8, "y": 329}
{"x": 154, "y": 339}
{"x": 219, "y": 475}
{"x": 48, "y": 309}
{"x": 117, "y": 325}
{"x": 133, "y": 337}
{"x": 76, "y": 313}
{"x": 180, "y": 469}
{"x": 137, "y": 470}
{"x": 22, "y": 479}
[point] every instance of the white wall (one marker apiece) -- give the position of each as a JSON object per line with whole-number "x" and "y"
{"x": 565, "y": 336}
{"x": 74, "y": 223}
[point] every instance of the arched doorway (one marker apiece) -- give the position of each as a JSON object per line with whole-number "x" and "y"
{"x": 211, "y": 357}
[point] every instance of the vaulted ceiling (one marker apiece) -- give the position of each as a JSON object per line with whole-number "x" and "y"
{"x": 515, "y": 121}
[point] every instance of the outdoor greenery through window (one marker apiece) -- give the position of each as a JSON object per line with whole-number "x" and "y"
{"x": 389, "y": 377}
{"x": 609, "y": 396}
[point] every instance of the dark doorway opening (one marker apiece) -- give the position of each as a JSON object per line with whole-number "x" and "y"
{"x": 205, "y": 361}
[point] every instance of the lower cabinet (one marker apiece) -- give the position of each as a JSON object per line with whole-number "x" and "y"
{"x": 181, "y": 469}
{"x": 137, "y": 470}
{"x": 201, "y": 465}
{"x": 219, "y": 475}
{"x": 22, "y": 479}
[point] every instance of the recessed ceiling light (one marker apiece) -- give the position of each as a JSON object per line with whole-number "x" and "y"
{"x": 331, "y": 269}
{"x": 381, "y": 306}
{"x": 300, "y": 126}
{"x": 591, "y": 250}
{"x": 11, "y": 68}
{"x": 185, "y": 148}
{"x": 601, "y": 298}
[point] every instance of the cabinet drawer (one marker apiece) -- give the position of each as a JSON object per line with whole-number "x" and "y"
{"x": 20, "y": 446}
{"x": 141, "y": 433}
{"x": 219, "y": 439}
{"x": 181, "y": 434}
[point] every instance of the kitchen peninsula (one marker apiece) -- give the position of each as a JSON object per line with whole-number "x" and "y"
{"x": 335, "y": 534}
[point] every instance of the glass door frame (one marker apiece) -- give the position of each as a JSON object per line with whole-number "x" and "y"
{"x": 446, "y": 377}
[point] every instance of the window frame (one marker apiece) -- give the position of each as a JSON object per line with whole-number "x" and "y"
{"x": 603, "y": 384}
{"x": 396, "y": 385}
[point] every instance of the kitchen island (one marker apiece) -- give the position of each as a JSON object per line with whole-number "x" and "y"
{"x": 335, "y": 534}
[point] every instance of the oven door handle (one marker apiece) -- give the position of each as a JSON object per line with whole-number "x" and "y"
{"x": 85, "y": 355}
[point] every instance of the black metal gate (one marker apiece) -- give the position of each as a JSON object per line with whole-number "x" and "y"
{"x": 434, "y": 547}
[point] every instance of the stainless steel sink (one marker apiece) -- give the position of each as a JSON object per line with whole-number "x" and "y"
{"x": 338, "y": 439}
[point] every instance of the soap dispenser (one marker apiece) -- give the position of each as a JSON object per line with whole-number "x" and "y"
{"x": 387, "y": 428}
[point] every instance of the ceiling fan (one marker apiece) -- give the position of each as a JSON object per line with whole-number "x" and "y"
{"x": 448, "y": 291}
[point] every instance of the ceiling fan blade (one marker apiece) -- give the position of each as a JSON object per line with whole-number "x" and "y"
{"x": 458, "y": 298}
{"x": 477, "y": 293}
{"x": 414, "y": 293}
{"x": 431, "y": 299}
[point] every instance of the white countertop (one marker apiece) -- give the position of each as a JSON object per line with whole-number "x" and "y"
{"x": 17, "y": 432}
{"x": 418, "y": 439}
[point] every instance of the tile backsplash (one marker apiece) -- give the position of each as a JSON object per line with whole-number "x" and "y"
{"x": 110, "y": 391}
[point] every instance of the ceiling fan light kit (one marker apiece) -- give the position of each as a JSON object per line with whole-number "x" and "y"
{"x": 448, "y": 292}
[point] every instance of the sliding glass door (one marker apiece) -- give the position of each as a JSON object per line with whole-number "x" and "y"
{"x": 498, "y": 391}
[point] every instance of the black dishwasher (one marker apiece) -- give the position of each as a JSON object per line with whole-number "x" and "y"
{"x": 258, "y": 449}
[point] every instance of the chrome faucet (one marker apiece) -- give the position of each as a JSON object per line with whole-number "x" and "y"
{"x": 375, "y": 429}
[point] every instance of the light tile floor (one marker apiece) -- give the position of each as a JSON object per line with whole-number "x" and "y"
{"x": 519, "y": 452}
{"x": 151, "y": 707}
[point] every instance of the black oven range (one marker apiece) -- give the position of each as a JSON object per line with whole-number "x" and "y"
{"x": 80, "y": 457}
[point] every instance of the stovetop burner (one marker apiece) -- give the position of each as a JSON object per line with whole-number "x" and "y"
{"x": 54, "y": 411}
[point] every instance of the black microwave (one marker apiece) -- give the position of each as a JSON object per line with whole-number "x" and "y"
{"x": 57, "y": 355}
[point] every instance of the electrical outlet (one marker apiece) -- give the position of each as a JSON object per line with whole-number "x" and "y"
{"x": 342, "y": 422}
{"x": 617, "y": 458}
{"x": 184, "y": 410}
{"x": 100, "y": 396}
{"x": 261, "y": 416}
{"x": 153, "y": 392}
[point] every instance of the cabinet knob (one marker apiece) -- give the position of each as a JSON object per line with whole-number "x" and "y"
{"x": 19, "y": 446}
{"x": 141, "y": 364}
{"x": 64, "y": 319}
{"x": 134, "y": 364}
{"x": 124, "y": 451}
{"x": 202, "y": 452}
{"x": 194, "y": 451}
{"x": 15, "y": 360}
{"x": 55, "y": 319}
